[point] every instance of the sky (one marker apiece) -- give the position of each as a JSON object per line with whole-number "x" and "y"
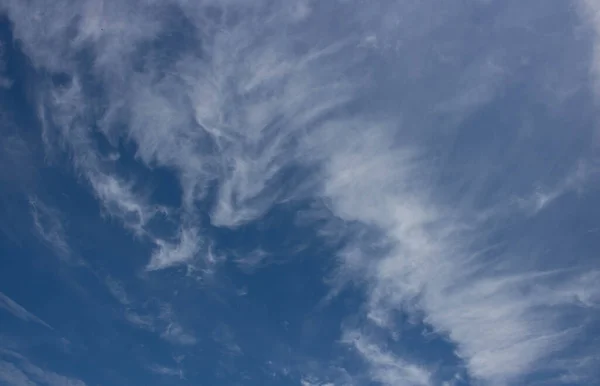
{"x": 299, "y": 192}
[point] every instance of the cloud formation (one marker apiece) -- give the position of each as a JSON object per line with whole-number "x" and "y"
{"x": 591, "y": 12}
{"x": 19, "y": 311}
{"x": 377, "y": 117}
{"x": 13, "y": 376}
{"x": 164, "y": 370}
{"x": 17, "y": 370}
{"x": 48, "y": 226}
{"x": 151, "y": 315}
{"x": 385, "y": 367}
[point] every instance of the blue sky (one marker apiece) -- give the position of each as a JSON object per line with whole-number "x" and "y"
{"x": 309, "y": 193}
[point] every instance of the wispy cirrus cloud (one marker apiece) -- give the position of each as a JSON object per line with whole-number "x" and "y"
{"x": 389, "y": 135}
{"x": 574, "y": 182}
{"x": 426, "y": 266}
{"x": 121, "y": 201}
{"x": 591, "y": 12}
{"x": 173, "y": 331}
{"x": 312, "y": 382}
{"x": 155, "y": 316}
{"x": 117, "y": 290}
{"x": 184, "y": 250}
{"x": 385, "y": 367}
{"x": 49, "y": 377}
{"x": 120, "y": 197}
{"x": 168, "y": 371}
{"x": 14, "y": 376}
{"x": 48, "y": 225}
{"x": 17, "y": 370}
{"x": 319, "y": 373}
{"x": 19, "y": 311}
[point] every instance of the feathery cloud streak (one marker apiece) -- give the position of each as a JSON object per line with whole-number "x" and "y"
{"x": 19, "y": 311}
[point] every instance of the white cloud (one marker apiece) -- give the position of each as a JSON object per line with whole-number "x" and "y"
{"x": 165, "y": 324}
{"x": 120, "y": 198}
{"x": 21, "y": 372}
{"x": 322, "y": 373}
{"x": 13, "y": 376}
{"x": 251, "y": 261}
{"x": 49, "y": 378}
{"x": 249, "y": 149}
{"x": 164, "y": 370}
{"x": 120, "y": 201}
{"x": 48, "y": 226}
{"x": 145, "y": 322}
{"x": 385, "y": 367}
{"x": 504, "y": 319}
{"x": 575, "y": 181}
{"x": 167, "y": 254}
{"x": 224, "y": 336}
{"x": 364, "y": 129}
{"x": 18, "y": 311}
{"x": 173, "y": 331}
{"x": 312, "y": 382}
{"x": 163, "y": 321}
{"x": 591, "y": 12}
{"x": 117, "y": 291}
{"x": 160, "y": 319}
